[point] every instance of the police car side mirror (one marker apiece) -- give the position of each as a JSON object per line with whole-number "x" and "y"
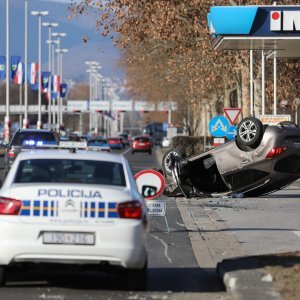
{"x": 148, "y": 190}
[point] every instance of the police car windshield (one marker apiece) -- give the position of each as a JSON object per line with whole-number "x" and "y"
{"x": 70, "y": 171}
{"x": 21, "y": 138}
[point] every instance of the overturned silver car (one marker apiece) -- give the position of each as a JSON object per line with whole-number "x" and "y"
{"x": 261, "y": 160}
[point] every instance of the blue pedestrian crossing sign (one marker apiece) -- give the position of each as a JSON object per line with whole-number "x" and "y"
{"x": 219, "y": 126}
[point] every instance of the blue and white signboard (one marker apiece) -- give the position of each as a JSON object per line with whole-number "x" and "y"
{"x": 231, "y": 133}
{"x": 259, "y": 21}
{"x": 219, "y": 126}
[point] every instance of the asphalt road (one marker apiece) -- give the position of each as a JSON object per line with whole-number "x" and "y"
{"x": 174, "y": 271}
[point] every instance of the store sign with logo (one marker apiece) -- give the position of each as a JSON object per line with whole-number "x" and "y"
{"x": 285, "y": 20}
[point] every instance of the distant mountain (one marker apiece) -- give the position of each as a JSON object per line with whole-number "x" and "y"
{"x": 97, "y": 48}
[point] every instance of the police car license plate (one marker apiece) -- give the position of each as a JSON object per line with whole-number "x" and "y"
{"x": 68, "y": 238}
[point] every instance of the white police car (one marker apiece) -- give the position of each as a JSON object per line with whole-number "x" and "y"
{"x": 73, "y": 207}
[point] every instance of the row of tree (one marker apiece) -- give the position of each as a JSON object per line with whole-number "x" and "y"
{"x": 167, "y": 56}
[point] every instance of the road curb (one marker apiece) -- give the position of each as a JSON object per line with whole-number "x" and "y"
{"x": 244, "y": 279}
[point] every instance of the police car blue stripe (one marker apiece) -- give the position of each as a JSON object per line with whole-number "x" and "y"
{"x": 25, "y": 210}
{"x": 85, "y": 209}
{"x": 45, "y": 208}
{"x": 101, "y": 210}
{"x": 52, "y": 208}
{"x": 112, "y": 210}
{"x": 93, "y": 209}
{"x": 36, "y": 208}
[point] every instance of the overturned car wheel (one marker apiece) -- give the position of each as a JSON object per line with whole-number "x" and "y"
{"x": 167, "y": 160}
{"x": 250, "y": 132}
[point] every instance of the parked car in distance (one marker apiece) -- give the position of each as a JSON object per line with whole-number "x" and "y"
{"x": 141, "y": 144}
{"x": 115, "y": 143}
{"x": 165, "y": 143}
{"x": 74, "y": 138}
{"x": 100, "y": 143}
{"x": 2, "y": 148}
{"x": 126, "y": 138}
{"x": 28, "y": 139}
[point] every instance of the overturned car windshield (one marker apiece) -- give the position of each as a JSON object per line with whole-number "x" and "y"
{"x": 70, "y": 171}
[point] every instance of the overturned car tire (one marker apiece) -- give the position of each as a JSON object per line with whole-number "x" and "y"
{"x": 250, "y": 132}
{"x": 167, "y": 160}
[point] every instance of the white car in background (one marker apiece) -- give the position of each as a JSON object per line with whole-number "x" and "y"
{"x": 165, "y": 143}
{"x": 73, "y": 207}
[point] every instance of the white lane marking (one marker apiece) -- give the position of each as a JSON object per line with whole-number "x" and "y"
{"x": 166, "y": 248}
{"x": 297, "y": 233}
{"x": 125, "y": 152}
{"x": 55, "y": 297}
{"x": 179, "y": 224}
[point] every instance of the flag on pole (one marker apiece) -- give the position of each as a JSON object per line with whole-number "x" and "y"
{"x": 63, "y": 90}
{"x": 54, "y": 96}
{"x": 14, "y": 61}
{"x": 33, "y": 69}
{"x": 45, "y": 81}
{"x": 34, "y": 87}
{"x": 56, "y": 83}
{"x": 2, "y": 67}
{"x": 19, "y": 78}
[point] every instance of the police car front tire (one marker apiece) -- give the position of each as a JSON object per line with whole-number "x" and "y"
{"x": 2, "y": 275}
{"x": 137, "y": 279}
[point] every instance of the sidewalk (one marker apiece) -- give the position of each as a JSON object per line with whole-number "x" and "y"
{"x": 245, "y": 278}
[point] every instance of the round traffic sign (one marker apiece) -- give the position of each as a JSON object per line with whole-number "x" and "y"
{"x": 218, "y": 126}
{"x": 150, "y": 183}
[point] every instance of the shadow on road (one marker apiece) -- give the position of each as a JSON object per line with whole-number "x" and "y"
{"x": 187, "y": 280}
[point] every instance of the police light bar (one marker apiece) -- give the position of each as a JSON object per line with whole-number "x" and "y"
{"x": 32, "y": 143}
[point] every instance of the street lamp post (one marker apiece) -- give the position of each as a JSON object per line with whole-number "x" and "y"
{"x": 60, "y": 53}
{"x": 93, "y": 65}
{"x": 25, "y": 120}
{"x": 50, "y": 26}
{"x": 7, "y": 122}
{"x": 40, "y": 14}
{"x": 58, "y": 35}
{"x": 53, "y": 106}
